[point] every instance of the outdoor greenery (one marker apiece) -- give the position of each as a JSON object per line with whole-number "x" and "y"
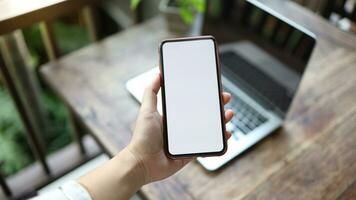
{"x": 187, "y": 8}
{"x": 15, "y": 152}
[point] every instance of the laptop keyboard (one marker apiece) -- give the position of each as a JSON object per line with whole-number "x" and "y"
{"x": 245, "y": 119}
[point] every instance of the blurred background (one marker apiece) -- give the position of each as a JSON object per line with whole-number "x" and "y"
{"x": 77, "y": 25}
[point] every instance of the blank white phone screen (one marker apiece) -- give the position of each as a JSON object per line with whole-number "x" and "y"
{"x": 192, "y": 97}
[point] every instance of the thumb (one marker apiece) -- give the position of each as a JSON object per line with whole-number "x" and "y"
{"x": 149, "y": 102}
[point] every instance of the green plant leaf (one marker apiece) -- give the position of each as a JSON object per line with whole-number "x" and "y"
{"x": 188, "y": 8}
{"x": 134, "y": 4}
{"x": 198, "y": 5}
{"x": 186, "y": 15}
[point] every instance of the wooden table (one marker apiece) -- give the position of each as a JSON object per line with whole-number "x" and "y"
{"x": 313, "y": 156}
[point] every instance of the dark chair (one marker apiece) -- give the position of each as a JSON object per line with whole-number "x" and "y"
{"x": 341, "y": 13}
{"x": 343, "y": 8}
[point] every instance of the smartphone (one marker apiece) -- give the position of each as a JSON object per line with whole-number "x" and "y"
{"x": 193, "y": 114}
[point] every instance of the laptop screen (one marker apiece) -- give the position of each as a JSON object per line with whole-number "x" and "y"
{"x": 263, "y": 54}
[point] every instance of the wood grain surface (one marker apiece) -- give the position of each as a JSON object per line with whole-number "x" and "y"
{"x": 17, "y": 14}
{"x": 311, "y": 157}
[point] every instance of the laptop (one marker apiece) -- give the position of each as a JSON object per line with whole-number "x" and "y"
{"x": 262, "y": 78}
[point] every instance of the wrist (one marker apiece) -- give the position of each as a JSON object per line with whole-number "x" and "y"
{"x": 135, "y": 168}
{"x": 119, "y": 178}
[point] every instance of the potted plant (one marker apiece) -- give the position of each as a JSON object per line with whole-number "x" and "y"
{"x": 179, "y": 14}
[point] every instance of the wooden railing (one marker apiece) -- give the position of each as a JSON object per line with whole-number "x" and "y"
{"x": 3, "y": 184}
{"x": 15, "y": 72}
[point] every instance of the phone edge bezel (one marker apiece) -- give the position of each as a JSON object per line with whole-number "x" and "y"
{"x": 164, "y": 116}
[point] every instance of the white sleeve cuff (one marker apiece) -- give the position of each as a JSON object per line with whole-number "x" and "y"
{"x": 70, "y": 190}
{"x": 74, "y": 191}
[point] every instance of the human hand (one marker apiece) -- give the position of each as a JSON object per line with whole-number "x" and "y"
{"x": 147, "y": 142}
{"x": 143, "y": 160}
